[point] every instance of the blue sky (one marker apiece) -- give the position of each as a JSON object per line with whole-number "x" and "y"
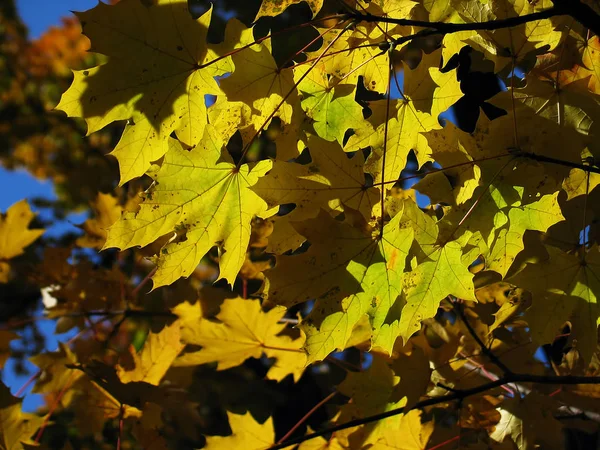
{"x": 38, "y": 15}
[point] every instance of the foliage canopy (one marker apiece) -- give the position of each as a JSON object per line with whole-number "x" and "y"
{"x": 391, "y": 201}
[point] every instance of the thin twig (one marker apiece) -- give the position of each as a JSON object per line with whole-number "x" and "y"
{"x": 484, "y": 348}
{"x": 306, "y": 416}
{"x": 121, "y": 413}
{"x": 54, "y": 406}
{"x": 458, "y": 395}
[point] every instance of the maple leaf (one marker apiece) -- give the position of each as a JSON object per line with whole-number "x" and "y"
{"x": 331, "y": 180}
{"x": 410, "y": 116}
{"x": 443, "y": 273}
{"x": 158, "y": 71}
{"x": 259, "y": 83}
{"x": 201, "y": 195}
{"x": 343, "y": 262}
{"x": 157, "y": 355}
{"x": 247, "y": 433}
{"x": 16, "y": 427}
{"x": 537, "y": 215}
{"x": 351, "y": 58}
{"x": 55, "y": 373}
{"x": 511, "y": 44}
{"x": 15, "y": 235}
{"x": 244, "y": 331}
{"x": 276, "y": 7}
{"x": 564, "y": 287}
{"x": 330, "y": 105}
{"x": 567, "y": 103}
{"x": 411, "y": 434}
{"x": 579, "y": 183}
{"x": 372, "y": 392}
{"x": 107, "y": 211}
{"x": 588, "y": 69}
{"x": 528, "y": 422}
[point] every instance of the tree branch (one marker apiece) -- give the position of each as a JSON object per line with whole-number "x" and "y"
{"x": 581, "y": 12}
{"x": 457, "y": 395}
{"x": 560, "y": 162}
{"x": 447, "y": 28}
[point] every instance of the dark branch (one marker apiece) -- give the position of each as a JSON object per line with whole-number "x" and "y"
{"x": 581, "y": 12}
{"x": 560, "y": 162}
{"x": 124, "y": 313}
{"x": 457, "y": 395}
{"x": 447, "y": 28}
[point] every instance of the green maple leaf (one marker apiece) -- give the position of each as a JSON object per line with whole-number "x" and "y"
{"x": 538, "y": 215}
{"x": 156, "y": 77}
{"x": 204, "y": 197}
{"x": 444, "y": 273}
{"x": 352, "y": 273}
{"x": 331, "y": 106}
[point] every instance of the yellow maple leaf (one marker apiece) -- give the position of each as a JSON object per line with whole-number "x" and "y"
{"x": 247, "y": 434}
{"x": 201, "y": 196}
{"x": 107, "y": 211}
{"x": 410, "y": 434}
{"x": 425, "y": 94}
{"x": 15, "y": 235}
{"x": 331, "y": 180}
{"x": 16, "y": 427}
{"x": 55, "y": 373}
{"x": 158, "y": 71}
{"x": 257, "y": 81}
{"x": 244, "y": 331}
{"x": 511, "y": 44}
{"x": 157, "y": 355}
{"x": 580, "y": 183}
{"x": 373, "y": 391}
{"x": 276, "y": 7}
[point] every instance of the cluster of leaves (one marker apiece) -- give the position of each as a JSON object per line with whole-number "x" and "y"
{"x": 284, "y": 174}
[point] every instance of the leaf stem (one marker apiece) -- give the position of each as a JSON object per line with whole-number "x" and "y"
{"x": 304, "y": 75}
{"x": 53, "y": 408}
{"x": 484, "y": 348}
{"x": 147, "y": 278}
